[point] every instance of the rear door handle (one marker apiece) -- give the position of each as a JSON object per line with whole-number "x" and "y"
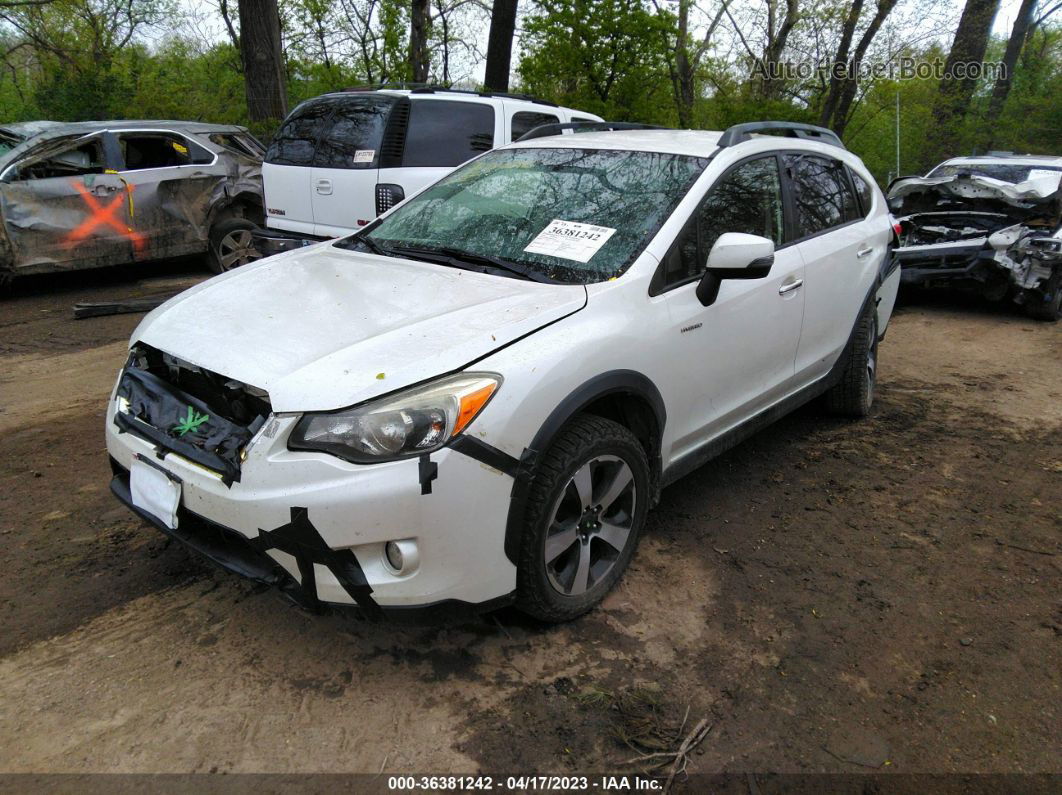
{"x": 324, "y": 186}
{"x": 788, "y": 287}
{"x": 864, "y": 252}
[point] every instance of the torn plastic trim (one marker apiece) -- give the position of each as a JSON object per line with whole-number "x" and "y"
{"x": 249, "y": 557}
{"x": 178, "y": 422}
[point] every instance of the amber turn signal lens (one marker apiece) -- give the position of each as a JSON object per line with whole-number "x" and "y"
{"x": 471, "y": 404}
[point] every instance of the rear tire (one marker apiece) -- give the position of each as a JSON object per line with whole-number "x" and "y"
{"x": 1048, "y": 307}
{"x": 231, "y": 245}
{"x": 585, "y": 511}
{"x": 854, "y": 394}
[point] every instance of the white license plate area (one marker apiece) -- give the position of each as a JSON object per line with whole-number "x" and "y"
{"x": 153, "y": 491}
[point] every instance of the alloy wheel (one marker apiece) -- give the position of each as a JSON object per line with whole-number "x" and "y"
{"x": 237, "y": 248}
{"x": 590, "y": 525}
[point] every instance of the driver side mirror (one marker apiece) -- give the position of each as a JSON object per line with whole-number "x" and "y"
{"x": 734, "y": 255}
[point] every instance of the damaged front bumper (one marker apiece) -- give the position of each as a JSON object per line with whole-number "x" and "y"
{"x": 316, "y": 527}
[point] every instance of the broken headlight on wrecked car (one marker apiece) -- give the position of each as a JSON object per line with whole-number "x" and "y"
{"x": 409, "y": 423}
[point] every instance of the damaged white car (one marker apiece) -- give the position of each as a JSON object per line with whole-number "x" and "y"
{"x": 991, "y": 222}
{"x": 475, "y": 400}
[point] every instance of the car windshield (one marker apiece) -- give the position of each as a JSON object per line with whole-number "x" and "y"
{"x": 9, "y": 140}
{"x": 1012, "y": 173}
{"x": 566, "y": 215}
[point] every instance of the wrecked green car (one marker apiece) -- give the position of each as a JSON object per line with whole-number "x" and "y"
{"x": 92, "y": 194}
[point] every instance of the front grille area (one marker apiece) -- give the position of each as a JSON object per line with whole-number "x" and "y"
{"x": 193, "y": 412}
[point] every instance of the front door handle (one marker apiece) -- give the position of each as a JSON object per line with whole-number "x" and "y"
{"x": 324, "y": 186}
{"x": 103, "y": 190}
{"x": 788, "y": 287}
{"x": 864, "y": 252}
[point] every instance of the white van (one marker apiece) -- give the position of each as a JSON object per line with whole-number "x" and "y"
{"x": 340, "y": 160}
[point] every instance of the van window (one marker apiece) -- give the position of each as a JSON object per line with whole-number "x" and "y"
{"x": 447, "y": 133}
{"x": 296, "y": 140}
{"x": 352, "y": 138}
{"x": 526, "y": 120}
{"x": 158, "y": 150}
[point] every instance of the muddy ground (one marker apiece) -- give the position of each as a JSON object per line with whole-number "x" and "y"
{"x": 830, "y": 596}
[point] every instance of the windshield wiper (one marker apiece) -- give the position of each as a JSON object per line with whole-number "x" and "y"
{"x": 372, "y": 245}
{"x": 496, "y": 262}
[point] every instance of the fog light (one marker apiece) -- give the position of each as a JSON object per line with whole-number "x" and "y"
{"x": 394, "y": 556}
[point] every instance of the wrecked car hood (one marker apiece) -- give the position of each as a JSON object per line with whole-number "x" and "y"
{"x": 975, "y": 187}
{"x": 322, "y": 328}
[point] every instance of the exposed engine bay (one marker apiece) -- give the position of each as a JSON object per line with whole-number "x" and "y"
{"x": 968, "y": 228}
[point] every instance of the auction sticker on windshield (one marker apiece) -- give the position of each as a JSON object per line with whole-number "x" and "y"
{"x": 570, "y": 240}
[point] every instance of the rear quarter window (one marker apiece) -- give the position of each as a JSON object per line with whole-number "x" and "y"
{"x": 296, "y": 140}
{"x": 525, "y": 121}
{"x": 445, "y": 133}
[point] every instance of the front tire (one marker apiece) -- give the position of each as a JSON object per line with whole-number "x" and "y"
{"x": 853, "y": 395}
{"x": 585, "y": 511}
{"x": 231, "y": 245}
{"x": 1047, "y": 307}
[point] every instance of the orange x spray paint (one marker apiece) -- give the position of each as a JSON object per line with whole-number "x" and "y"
{"x": 105, "y": 215}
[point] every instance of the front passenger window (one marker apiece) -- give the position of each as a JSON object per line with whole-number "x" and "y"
{"x": 746, "y": 199}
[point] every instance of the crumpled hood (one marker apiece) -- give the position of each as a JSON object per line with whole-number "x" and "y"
{"x": 974, "y": 187}
{"x": 322, "y": 328}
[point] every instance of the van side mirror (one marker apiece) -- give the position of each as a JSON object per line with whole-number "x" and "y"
{"x": 734, "y": 255}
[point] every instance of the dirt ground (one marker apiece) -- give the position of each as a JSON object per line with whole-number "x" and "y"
{"x": 830, "y": 596}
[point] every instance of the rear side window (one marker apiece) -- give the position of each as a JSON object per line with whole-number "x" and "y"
{"x": 296, "y": 140}
{"x": 526, "y": 120}
{"x": 822, "y": 195}
{"x": 246, "y": 145}
{"x": 746, "y": 199}
{"x": 445, "y": 133}
{"x": 352, "y": 139}
{"x": 158, "y": 150}
{"x": 864, "y": 192}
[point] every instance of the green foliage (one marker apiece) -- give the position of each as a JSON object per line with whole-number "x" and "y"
{"x": 608, "y": 57}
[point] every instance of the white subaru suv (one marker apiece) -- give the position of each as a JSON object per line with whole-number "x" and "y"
{"x": 477, "y": 398}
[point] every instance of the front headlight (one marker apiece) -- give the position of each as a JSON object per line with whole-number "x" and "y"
{"x": 410, "y": 423}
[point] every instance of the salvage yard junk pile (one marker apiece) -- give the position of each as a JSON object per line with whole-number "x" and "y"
{"x": 92, "y": 194}
{"x": 994, "y": 222}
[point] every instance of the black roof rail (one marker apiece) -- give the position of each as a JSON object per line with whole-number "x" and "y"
{"x": 739, "y": 133}
{"x": 544, "y": 130}
{"x": 431, "y": 88}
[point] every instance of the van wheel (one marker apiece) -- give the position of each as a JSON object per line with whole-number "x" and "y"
{"x": 585, "y": 511}
{"x": 231, "y": 245}
{"x": 1047, "y": 307}
{"x": 853, "y": 395}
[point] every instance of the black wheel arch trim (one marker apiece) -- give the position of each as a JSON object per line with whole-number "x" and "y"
{"x": 613, "y": 382}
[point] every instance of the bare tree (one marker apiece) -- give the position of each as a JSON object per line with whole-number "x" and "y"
{"x": 1018, "y": 34}
{"x": 845, "y": 82}
{"x": 500, "y": 44}
{"x": 419, "y": 23}
{"x": 953, "y": 98}
{"x": 263, "y": 60}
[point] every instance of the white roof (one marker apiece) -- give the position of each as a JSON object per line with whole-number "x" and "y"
{"x": 699, "y": 143}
